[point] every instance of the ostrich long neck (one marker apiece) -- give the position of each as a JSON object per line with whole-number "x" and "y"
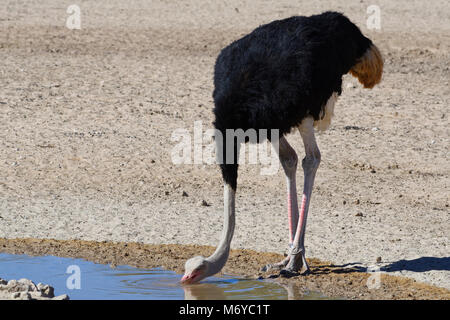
{"x": 220, "y": 256}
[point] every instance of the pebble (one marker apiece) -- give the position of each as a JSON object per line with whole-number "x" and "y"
{"x": 204, "y": 203}
{"x": 47, "y": 291}
{"x": 15, "y": 295}
{"x": 359, "y": 214}
{"x": 25, "y": 296}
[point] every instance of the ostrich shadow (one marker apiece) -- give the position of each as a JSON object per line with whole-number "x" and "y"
{"x": 422, "y": 264}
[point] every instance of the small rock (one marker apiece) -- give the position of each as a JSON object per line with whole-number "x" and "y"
{"x": 352, "y": 128}
{"x": 15, "y": 295}
{"x": 27, "y": 284}
{"x": 378, "y": 259}
{"x": 359, "y": 214}
{"x": 204, "y": 203}
{"x": 25, "y": 296}
{"x": 47, "y": 291}
{"x": 12, "y": 283}
{"x": 184, "y": 194}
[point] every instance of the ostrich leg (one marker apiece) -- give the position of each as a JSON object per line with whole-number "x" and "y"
{"x": 310, "y": 164}
{"x": 289, "y": 160}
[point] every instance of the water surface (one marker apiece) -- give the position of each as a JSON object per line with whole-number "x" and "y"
{"x": 82, "y": 279}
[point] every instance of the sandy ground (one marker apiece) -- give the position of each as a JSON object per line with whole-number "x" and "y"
{"x": 87, "y": 117}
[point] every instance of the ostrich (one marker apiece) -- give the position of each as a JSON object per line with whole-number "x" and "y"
{"x": 286, "y": 74}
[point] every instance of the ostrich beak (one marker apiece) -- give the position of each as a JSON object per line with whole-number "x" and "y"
{"x": 189, "y": 277}
{"x": 185, "y": 278}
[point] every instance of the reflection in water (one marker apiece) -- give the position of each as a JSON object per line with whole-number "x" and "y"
{"x": 295, "y": 293}
{"x": 238, "y": 289}
{"x": 100, "y": 281}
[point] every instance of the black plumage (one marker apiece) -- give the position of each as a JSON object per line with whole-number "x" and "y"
{"x": 282, "y": 72}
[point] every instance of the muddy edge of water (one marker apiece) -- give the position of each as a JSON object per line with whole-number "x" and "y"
{"x": 332, "y": 281}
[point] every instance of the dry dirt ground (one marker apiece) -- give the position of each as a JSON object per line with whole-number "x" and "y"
{"x": 87, "y": 118}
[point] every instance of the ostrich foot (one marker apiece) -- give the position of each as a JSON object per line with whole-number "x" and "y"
{"x": 296, "y": 264}
{"x": 293, "y": 265}
{"x": 276, "y": 266}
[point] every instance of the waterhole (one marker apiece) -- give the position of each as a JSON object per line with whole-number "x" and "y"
{"x": 81, "y": 279}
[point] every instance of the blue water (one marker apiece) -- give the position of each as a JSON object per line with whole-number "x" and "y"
{"x": 88, "y": 280}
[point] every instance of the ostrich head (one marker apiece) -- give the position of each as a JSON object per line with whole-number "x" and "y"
{"x": 357, "y": 53}
{"x": 196, "y": 269}
{"x": 369, "y": 68}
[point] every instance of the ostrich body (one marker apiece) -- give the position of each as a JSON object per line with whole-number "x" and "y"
{"x": 284, "y": 75}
